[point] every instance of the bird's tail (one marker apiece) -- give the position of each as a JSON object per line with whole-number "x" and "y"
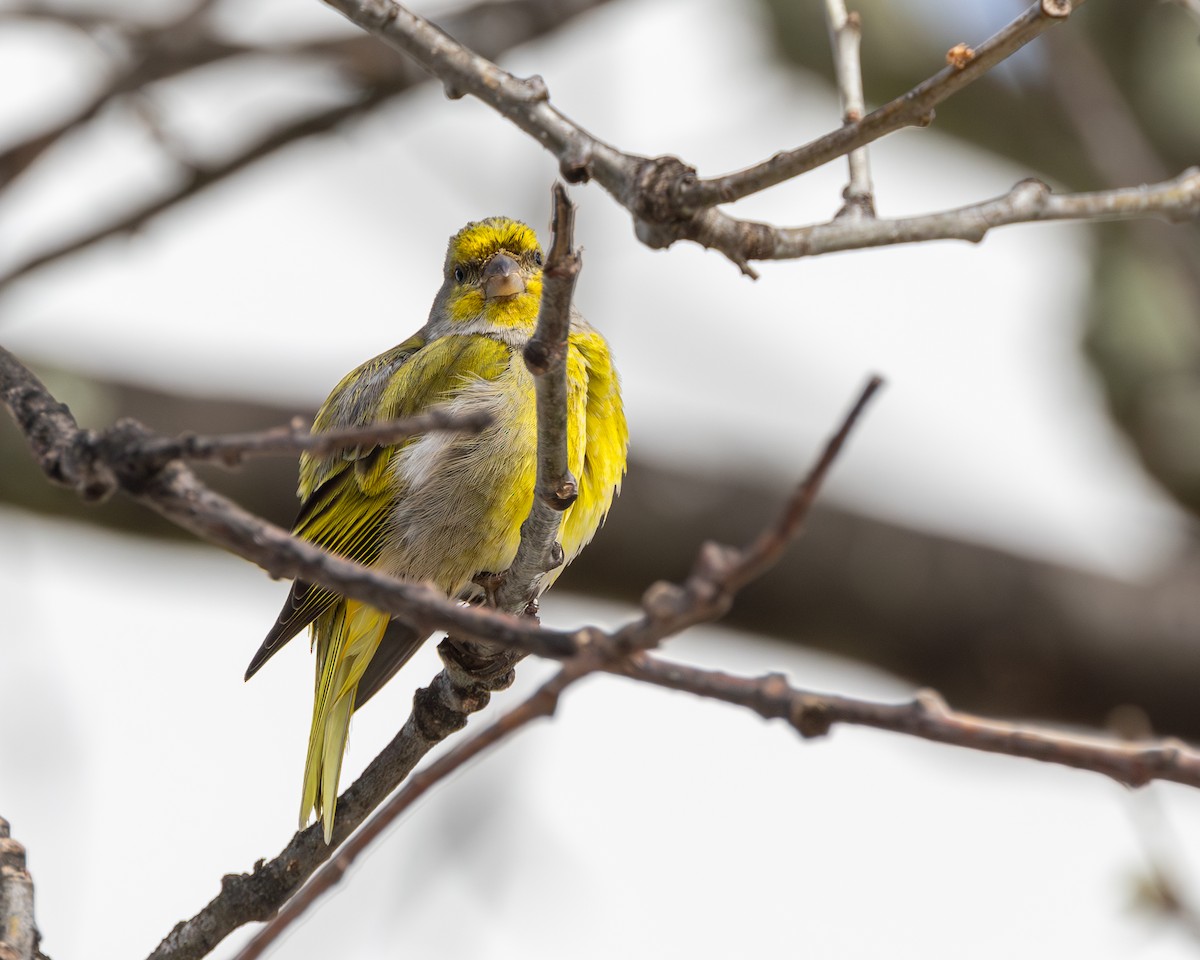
{"x": 346, "y": 637}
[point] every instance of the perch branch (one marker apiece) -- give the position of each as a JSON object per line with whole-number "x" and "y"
{"x": 546, "y": 358}
{"x": 541, "y": 704}
{"x": 718, "y": 574}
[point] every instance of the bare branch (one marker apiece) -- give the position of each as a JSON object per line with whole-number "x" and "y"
{"x": 96, "y": 466}
{"x": 670, "y": 204}
{"x": 202, "y": 177}
{"x": 541, "y": 704}
{"x": 439, "y": 710}
{"x": 705, "y": 596}
{"x": 1030, "y": 201}
{"x": 928, "y": 717}
{"x": 914, "y": 108}
{"x": 232, "y": 449}
{"x": 845, "y": 35}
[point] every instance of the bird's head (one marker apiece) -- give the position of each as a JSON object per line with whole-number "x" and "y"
{"x": 493, "y": 273}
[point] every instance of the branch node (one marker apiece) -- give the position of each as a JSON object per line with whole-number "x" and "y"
{"x": 959, "y": 56}
{"x": 534, "y": 89}
{"x": 811, "y": 717}
{"x": 930, "y": 704}
{"x": 658, "y": 187}
{"x": 575, "y": 164}
{"x": 565, "y": 493}
{"x": 663, "y": 600}
{"x": 542, "y": 356}
{"x": 1058, "y": 9}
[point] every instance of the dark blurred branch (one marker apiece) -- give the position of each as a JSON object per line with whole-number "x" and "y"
{"x": 493, "y": 26}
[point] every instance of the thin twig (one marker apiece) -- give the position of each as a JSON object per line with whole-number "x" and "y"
{"x": 1030, "y": 201}
{"x": 927, "y": 717}
{"x": 845, "y": 36}
{"x": 231, "y": 449}
{"x": 912, "y": 108}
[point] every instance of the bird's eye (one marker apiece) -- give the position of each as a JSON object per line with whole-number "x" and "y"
{"x": 459, "y": 275}
{"x": 537, "y": 257}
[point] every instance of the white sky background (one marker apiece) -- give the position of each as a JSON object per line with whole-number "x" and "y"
{"x": 637, "y": 822}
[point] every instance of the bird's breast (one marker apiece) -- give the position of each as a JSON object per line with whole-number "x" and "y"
{"x": 462, "y": 497}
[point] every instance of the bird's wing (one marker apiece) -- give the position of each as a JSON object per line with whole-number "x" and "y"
{"x": 346, "y": 497}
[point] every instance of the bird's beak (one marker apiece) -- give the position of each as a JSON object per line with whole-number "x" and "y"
{"x": 501, "y": 278}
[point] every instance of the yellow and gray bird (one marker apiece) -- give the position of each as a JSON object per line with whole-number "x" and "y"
{"x": 442, "y": 508}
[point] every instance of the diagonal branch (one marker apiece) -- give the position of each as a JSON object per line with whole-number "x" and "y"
{"x": 97, "y": 465}
{"x": 541, "y": 704}
{"x": 914, "y": 108}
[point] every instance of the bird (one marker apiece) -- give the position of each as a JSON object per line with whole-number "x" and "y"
{"x": 444, "y": 508}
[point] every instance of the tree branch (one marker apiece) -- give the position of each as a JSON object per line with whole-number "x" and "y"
{"x": 541, "y": 704}
{"x": 1030, "y": 201}
{"x": 927, "y": 717}
{"x": 231, "y": 449}
{"x": 668, "y": 609}
{"x": 914, "y": 108}
{"x": 669, "y": 203}
{"x": 97, "y": 465}
{"x": 546, "y": 358}
{"x": 845, "y": 36}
